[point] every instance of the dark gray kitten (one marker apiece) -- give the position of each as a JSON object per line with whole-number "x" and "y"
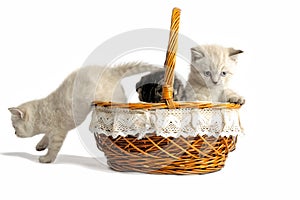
{"x": 150, "y": 86}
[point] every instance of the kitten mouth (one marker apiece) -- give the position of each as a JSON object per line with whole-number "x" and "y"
{"x": 20, "y": 136}
{"x": 215, "y": 84}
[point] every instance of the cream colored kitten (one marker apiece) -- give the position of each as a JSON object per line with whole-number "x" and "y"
{"x": 68, "y": 106}
{"x": 211, "y": 69}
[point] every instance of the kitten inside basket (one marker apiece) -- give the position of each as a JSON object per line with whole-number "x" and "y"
{"x": 211, "y": 69}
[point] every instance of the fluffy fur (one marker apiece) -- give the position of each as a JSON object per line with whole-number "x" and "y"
{"x": 211, "y": 69}
{"x": 150, "y": 86}
{"x": 68, "y": 106}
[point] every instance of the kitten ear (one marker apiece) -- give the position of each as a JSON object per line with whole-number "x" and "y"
{"x": 196, "y": 54}
{"x": 233, "y": 53}
{"x": 17, "y": 112}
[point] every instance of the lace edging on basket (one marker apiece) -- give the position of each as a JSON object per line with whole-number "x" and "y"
{"x": 165, "y": 122}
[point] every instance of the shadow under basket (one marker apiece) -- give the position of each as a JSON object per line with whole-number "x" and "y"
{"x": 158, "y": 155}
{"x": 168, "y": 137}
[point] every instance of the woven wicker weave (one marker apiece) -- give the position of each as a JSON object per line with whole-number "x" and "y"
{"x": 161, "y": 155}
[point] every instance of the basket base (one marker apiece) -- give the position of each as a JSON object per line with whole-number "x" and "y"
{"x": 158, "y": 155}
{"x": 174, "y": 168}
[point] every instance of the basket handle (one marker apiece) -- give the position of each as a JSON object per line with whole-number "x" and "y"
{"x": 167, "y": 92}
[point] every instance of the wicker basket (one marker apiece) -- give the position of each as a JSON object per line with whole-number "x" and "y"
{"x": 168, "y": 153}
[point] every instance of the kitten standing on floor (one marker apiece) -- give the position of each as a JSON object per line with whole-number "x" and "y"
{"x": 68, "y": 106}
{"x": 212, "y": 67}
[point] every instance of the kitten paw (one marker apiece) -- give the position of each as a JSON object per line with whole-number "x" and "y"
{"x": 46, "y": 159}
{"x": 237, "y": 100}
{"x": 41, "y": 146}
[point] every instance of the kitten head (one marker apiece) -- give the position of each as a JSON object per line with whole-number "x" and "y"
{"x": 22, "y": 121}
{"x": 213, "y": 65}
{"x": 150, "y": 87}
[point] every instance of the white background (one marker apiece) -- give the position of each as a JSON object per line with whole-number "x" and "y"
{"x": 42, "y": 42}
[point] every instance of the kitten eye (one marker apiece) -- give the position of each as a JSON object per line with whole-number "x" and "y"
{"x": 207, "y": 73}
{"x": 223, "y": 73}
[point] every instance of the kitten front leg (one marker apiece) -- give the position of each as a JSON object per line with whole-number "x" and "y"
{"x": 56, "y": 140}
{"x": 232, "y": 97}
{"x": 43, "y": 144}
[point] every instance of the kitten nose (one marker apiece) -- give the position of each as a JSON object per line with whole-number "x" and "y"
{"x": 15, "y": 132}
{"x": 215, "y": 79}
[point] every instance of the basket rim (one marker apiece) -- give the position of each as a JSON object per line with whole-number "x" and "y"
{"x": 177, "y": 104}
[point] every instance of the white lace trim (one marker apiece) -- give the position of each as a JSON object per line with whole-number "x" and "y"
{"x": 165, "y": 122}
